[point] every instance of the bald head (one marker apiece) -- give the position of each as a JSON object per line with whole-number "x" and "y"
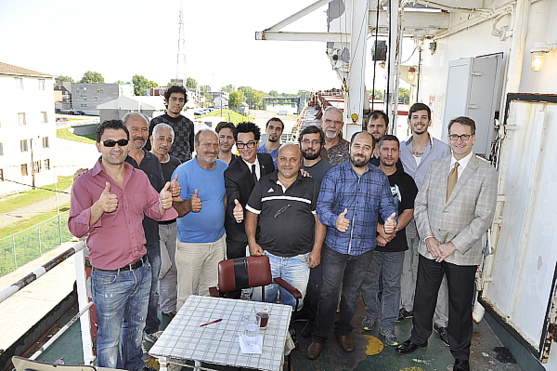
{"x": 289, "y": 160}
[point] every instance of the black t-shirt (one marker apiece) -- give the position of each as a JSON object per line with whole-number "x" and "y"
{"x": 168, "y": 168}
{"x": 183, "y": 135}
{"x": 286, "y": 218}
{"x": 318, "y": 170}
{"x": 404, "y": 191}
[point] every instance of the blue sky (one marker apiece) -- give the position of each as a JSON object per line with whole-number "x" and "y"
{"x": 126, "y": 37}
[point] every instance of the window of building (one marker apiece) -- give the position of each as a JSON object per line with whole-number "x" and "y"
{"x": 1, "y": 149}
{"x": 84, "y": 105}
{"x": 36, "y": 167}
{"x": 18, "y": 83}
{"x": 23, "y": 146}
{"x": 24, "y": 171}
{"x": 47, "y": 164}
{"x": 45, "y": 142}
{"x": 1, "y": 175}
{"x": 21, "y": 119}
{"x": 42, "y": 84}
{"x": 45, "y": 117}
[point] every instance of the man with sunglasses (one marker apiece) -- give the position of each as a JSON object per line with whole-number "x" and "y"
{"x": 108, "y": 203}
{"x": 240, "y": 178}
{"x": 453, "y": 210}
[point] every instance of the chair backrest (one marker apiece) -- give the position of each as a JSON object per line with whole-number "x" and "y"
{"x": 22, "y": 364}
{"x": 241, "y": 273}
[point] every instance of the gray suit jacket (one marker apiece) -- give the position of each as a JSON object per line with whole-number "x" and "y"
{"x": 465, "y": 217}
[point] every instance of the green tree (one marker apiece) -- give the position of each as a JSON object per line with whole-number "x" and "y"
{"x": 60, "y": 79}
{"x": 403, "y": 95}
{"x": 378, "y": 94}
{"x": 92, "y": 77}
{"x": 254, "y": 98}
{"x": 235, "y": 98}
{"x": 141, "y": 84}
{"x": 120, "y": 82}
{"x": 273, "y": 93}
{"x": 228, "y": 88}
{"x": 191, "y": 83}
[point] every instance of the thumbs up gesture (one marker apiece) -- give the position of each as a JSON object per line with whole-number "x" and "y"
{"x": 175, "y": 187}
{"x": 196, "y": 203}
{"x": 342, "y": 223}
{"x": 108, "y": 201}
{"x": 238, "y": 212}
{"x": 390, "y": 224}
{"x": 165, "y": 197}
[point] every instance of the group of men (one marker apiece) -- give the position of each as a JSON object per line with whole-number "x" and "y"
{"x": 355, "y": 225}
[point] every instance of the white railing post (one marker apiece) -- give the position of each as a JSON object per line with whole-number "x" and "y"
{"x": 83, "y": 301}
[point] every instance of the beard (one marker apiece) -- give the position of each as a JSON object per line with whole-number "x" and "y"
{"x": 359, "y": 162}
{"x": 310, "y": 156}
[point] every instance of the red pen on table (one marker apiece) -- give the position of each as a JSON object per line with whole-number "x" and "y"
{"x": 210, "y": 323}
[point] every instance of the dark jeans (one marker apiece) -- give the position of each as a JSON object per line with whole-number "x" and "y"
{"x": 153, "y": 322}
{"x": 339, "y": 270}
{"x": 460, "y": 279}
{"x": 313, "y": 292}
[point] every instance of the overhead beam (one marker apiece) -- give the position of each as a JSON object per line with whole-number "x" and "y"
{"x": 294, "y": 17}
{"x": 302, "y": 36}
{"x": 414, "y": 20}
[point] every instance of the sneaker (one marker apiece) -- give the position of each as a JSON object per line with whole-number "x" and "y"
{"x": 403, "y": 314}
{"x": 390, "y": 337}
{"x": 153, "y": 337}
{"x": 368, "y": 323}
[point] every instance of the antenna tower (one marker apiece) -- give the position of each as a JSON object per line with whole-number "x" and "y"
{"x": 181, "y": 56}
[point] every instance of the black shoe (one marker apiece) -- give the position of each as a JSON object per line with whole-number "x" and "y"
{"x": 403, "y": 314}
{"x": 307, "y": 331}
{"x": 443, "y": 334}
{"x": 461, "y": 365}
{"x": 408, "y": 347}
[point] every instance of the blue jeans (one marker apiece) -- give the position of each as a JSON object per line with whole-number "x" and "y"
{"x": 153, "y": 321}
{"x": 339, "y": 270}
{"x": 388, "y": 266}
{"x": 121, "y": 301}
{"x": 293, "y": 270}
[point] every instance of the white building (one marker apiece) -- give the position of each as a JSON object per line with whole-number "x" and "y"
{"x": 86, "y": 97}
{"x": 27, "y": 129}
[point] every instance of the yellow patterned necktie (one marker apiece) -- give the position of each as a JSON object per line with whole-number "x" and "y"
{"x": 452, "y": 179}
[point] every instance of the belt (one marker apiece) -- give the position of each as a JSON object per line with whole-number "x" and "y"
{"x": 129, "y": 267}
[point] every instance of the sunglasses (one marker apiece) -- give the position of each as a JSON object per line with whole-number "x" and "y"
{"x": 112, "y": 143}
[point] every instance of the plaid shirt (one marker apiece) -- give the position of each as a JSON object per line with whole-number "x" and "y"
{"x": 365, "y": 197}
{"x": 183, "y": 135}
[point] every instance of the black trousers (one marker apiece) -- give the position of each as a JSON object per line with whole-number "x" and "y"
{"x": 460, "y": 279}
{"x": 235, "y": 249}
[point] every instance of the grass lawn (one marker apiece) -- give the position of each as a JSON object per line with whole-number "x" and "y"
{"x": 66, "y": 133}
{"x": 230, "y": 116}
{"x": 31, "y": 222}
{"x": 27, "y": 198}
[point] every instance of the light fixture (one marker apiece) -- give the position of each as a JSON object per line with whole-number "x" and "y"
{"x": 411, "y": 73}
{"x": 540, "y": 49}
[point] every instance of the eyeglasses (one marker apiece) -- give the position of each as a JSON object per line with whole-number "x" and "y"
{"x": 111, "y": 143}
{"x": 314, "y": 141}
{"x": 249, "y": 144}
{"x": 463, "y": 137}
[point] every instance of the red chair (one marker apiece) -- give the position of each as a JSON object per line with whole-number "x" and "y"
{"x": 251, "y": 271}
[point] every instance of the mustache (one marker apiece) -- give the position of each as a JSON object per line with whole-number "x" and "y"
{"x": 139, "y": 138}
{"x": 162, "y": 146}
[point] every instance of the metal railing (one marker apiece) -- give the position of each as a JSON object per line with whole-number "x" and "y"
{"x": 22, "y": 247}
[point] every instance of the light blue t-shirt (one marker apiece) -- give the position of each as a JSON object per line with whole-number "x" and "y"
{"x": 207, "y": 225}
{"x": 273, "y": 154}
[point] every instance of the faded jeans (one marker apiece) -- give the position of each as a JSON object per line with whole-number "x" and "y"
{"x": 293, "y": 270}
{"x": 168, "y": 273}
{"x": 121, "y": 301}
{"x": 339, "y": 270}
{"x": 388, "y": 267}
{"x": 153, "y": 321}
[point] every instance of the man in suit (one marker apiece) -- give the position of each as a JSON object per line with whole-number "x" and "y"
{"x": 453, "y": 210}
{"x": 240, "y": 178}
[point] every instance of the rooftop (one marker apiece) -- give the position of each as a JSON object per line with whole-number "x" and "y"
{"x": 8, "y": 69}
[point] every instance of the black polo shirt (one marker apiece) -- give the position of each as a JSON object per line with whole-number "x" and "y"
{"x": 286, "y": 217}
{"x": 152, "y": 167}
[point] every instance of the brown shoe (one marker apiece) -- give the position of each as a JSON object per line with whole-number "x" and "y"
{"x": 345, "y": 343}
{"x": 314, "y": 350}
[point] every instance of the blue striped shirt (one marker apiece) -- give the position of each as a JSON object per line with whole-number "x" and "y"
{"x": 365, "y": 197}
